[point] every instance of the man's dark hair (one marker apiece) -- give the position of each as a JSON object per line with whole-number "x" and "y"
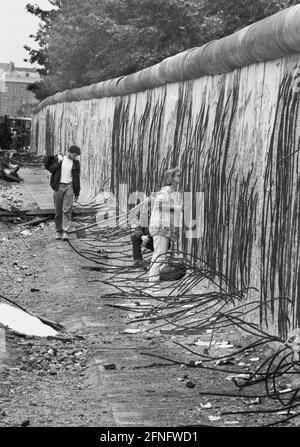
{"x": 75, "y": 150}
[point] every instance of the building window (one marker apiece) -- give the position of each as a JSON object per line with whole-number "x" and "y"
{"x": 27, "y": 75}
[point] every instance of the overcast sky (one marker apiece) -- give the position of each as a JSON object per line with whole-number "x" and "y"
{"x": 15, "y": 26}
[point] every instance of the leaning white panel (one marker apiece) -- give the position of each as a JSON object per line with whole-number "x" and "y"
{"x": 22, "y": 322}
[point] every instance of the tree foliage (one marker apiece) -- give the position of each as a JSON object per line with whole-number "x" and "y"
{"x": 86, "y": 41}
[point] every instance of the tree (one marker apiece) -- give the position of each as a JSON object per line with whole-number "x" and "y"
{"x": 87, "y": 41}
{"x": 224, "y": 17}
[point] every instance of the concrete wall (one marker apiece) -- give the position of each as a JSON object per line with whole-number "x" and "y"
{"x": 236, "y": 136}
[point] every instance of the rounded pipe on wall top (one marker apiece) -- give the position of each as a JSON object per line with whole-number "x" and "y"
{"x": 273, "y": 37}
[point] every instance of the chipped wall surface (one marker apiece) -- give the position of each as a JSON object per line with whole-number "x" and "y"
{"x": 236, "y": 136}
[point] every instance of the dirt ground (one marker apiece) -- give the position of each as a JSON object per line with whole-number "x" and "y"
{"x": 98, "y": 374}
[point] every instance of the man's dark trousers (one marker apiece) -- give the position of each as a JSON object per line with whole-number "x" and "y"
{"x": 137, "y": 241}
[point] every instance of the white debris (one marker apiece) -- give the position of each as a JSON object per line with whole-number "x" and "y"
{"x": 202, "y": 343}
{"x": 25, "y": 233}
{"x": 132, "y": 331}
{"x": 214, "y": 418}
{"x": 287, "y": 390}
{"x": 206, "y": 406}
{"x": 198, "y": 362}
{"x": 286, "y": 412}
{"x": 237, "y": 376}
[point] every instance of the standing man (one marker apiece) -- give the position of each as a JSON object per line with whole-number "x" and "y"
{"x": 65, "y": 181}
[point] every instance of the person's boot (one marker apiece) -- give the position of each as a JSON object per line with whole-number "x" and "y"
{"x": 65, "y": 236}
{"x": 138, "y": 263}
{"x": 141, "y": 264}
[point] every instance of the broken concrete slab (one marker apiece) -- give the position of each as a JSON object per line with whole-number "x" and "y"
{"x": 24, "y": 323}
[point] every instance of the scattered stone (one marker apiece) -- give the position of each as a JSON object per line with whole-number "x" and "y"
{"x": 25, "y": 233}
{"x": 110, "y": 366}
{"x": 190, "y": 384}
{"x": 224, "y": 345}
{"x": 227, "y": 361}
{"x": 25, "y": 423}
{"x": 195, "y": 362}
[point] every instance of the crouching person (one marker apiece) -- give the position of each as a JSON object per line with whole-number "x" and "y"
{"x": 165, "y": 220}
{"x": 141, "y": 238}
{"x": 65, "y": 182}
{"x": 8, "y": 170}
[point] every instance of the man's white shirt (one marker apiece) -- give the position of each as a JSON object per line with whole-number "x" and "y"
{"x": 66, "y": 170}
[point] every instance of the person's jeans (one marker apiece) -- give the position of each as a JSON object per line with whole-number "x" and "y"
{"x": 137, "y": 241}
{"x": 63, "y": 203}
{"x": 161, "y": 244}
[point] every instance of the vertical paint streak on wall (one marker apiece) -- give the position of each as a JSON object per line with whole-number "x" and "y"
{"x": 280, "y": 224}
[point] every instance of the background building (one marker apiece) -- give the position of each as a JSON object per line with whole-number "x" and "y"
{"x": 15, "y": 99}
